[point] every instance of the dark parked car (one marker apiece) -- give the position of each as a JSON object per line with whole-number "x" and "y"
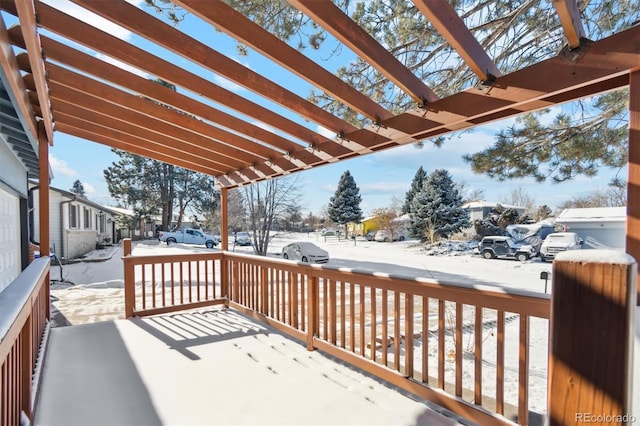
{"x": 505, "y": 247}
{"x": 369, "y": 235}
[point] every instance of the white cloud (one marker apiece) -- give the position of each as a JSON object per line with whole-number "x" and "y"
{"x": 122, "y": 65}
{"x": 60, "y": 167}
{"x": 228, "y": 84}
{"x": 88, "y": 188}
{"x": 91, "y": 18}
{"x": 385, "y": 186}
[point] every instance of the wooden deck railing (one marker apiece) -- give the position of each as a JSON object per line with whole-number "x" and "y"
{"x": 167, "y": 283}
{"x": 24, "y": 314}
{"x": 465, "y": 348}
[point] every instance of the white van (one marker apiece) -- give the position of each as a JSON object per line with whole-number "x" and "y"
{"x": 557, "y": 242}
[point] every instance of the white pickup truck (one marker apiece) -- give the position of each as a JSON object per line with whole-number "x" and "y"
{"x": 559, "y": 242}
{"x": 189, "y": 236}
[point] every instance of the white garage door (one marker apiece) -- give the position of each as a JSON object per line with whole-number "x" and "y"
{"x": 10, "y": 255}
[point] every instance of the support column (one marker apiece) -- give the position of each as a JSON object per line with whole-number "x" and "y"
{"x": 591, "y": 343}
{"x": 43, "y": 200}
{"x": 633, "y": 178}
{"x": 224, "y": 218}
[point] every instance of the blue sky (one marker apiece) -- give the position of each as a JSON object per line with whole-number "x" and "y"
{"x": 380, "y": 176}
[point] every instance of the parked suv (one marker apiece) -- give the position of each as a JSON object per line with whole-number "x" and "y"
{"x": 505, "y": 247}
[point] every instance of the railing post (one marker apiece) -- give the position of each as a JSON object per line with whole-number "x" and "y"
{"x": 312, "y": 309}
{"x": 129, "y": 279}
{"x": 224, "y": 278}
{"x": 592, "y": 326}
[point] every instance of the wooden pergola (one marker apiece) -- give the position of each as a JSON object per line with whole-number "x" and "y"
{"x": 59, "y": 87}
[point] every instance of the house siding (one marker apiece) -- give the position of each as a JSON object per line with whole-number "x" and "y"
{"x": 10, "y": 240}
{"x": 12, "y": 172}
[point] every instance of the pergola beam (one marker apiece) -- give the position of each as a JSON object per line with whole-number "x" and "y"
{"x": 445, "y": 20}
{"x": 27, "y": 16}
{"x": 331, "y": 18}
{"x": 100, "y": 41}
{"x": 226, "y": 19}
{"x": 11, "y": 70}
{"x": 134, "y": 19}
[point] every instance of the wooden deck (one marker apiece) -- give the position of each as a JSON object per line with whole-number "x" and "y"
{"x": 214, "y": 366}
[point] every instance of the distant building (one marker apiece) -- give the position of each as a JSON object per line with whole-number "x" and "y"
{"x": 599, "y": 227}
{"x": 77, "y": 225}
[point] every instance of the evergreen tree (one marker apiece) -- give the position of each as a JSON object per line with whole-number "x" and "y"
{"x": 344, "y": 206}
{"x": 436, "y": 211}
{"x": 78, "y": 189}
{"x": 150, "y": 187}
{"x": 416, "y": 187}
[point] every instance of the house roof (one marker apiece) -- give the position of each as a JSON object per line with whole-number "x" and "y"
{"x": 478, "y": 204}
{"x": 601, "y": 214}
{"x": 81, "y": 199}
{"x": 69, "y": 89}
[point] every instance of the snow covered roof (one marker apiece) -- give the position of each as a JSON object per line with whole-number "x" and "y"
{"x": 476, "y": 204}
{"x": 604, "y": 214}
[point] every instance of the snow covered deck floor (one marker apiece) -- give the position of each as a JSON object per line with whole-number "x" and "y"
{"x": 203, "y": 368}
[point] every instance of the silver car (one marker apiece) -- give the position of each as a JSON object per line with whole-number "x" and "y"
{"x": 305, "y": 252}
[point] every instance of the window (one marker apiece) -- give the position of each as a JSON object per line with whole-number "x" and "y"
{"x": 87, "y": 218}
{"x": 73, "y": 216}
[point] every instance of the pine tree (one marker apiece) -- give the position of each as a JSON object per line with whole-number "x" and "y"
{"x": 78, "y": 188}
{"x": 436, "y": 211}
{"x": 344, "y": 206}
{"x": 416, "y": 187}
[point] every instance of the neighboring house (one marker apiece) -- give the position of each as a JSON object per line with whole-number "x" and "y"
{"x": 77, "y": 225}
{"x": 480, "y": 209}
{"x": 18, "y": 163}
{"x": 600, "y": 227}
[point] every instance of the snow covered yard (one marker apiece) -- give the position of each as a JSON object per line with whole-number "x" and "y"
{"x": 97, "y": 295}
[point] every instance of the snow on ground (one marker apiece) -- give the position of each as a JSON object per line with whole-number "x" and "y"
{"x": 92, "y": 291}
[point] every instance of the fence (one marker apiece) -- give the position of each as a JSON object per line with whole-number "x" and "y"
{"x": 24, "y": 314}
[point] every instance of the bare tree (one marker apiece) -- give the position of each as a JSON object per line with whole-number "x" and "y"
{"x": 518, "y": 197}
{"x": 266, "y": 201}
{"x": 614, "y": 196}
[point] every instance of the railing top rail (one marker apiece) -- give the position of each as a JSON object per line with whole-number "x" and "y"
{"x": 17, "y": 294}
{"x": 169, "y": 258}
{"x": 486, "y": 295}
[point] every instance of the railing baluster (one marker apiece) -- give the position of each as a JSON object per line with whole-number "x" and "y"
{"x": 362, "y": 319}
{"x": 352, "y": 314}
{"x": 385, "y": 327}
{"x": 325, "y": 308}
{"x": 408, "y": 339}
{"x": 332, "y": 312}
{"x": 173, "y": 284}
{"x": 294, "y": 301}
{"x": 396, "y": 331}
{"x": 343, "y": 315}
{"x": 523, "y": 371}
{"x": 425, "y": 339}
{"x": 144, "y": 287}
{"x": 441, "y": 348}
{"x": 373, "y": 319}
{"x": 500, "y": 364}
{"x": 198, "y": 280}
{"x": 459, "y": 321}
{"x": 477, "y": 356}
